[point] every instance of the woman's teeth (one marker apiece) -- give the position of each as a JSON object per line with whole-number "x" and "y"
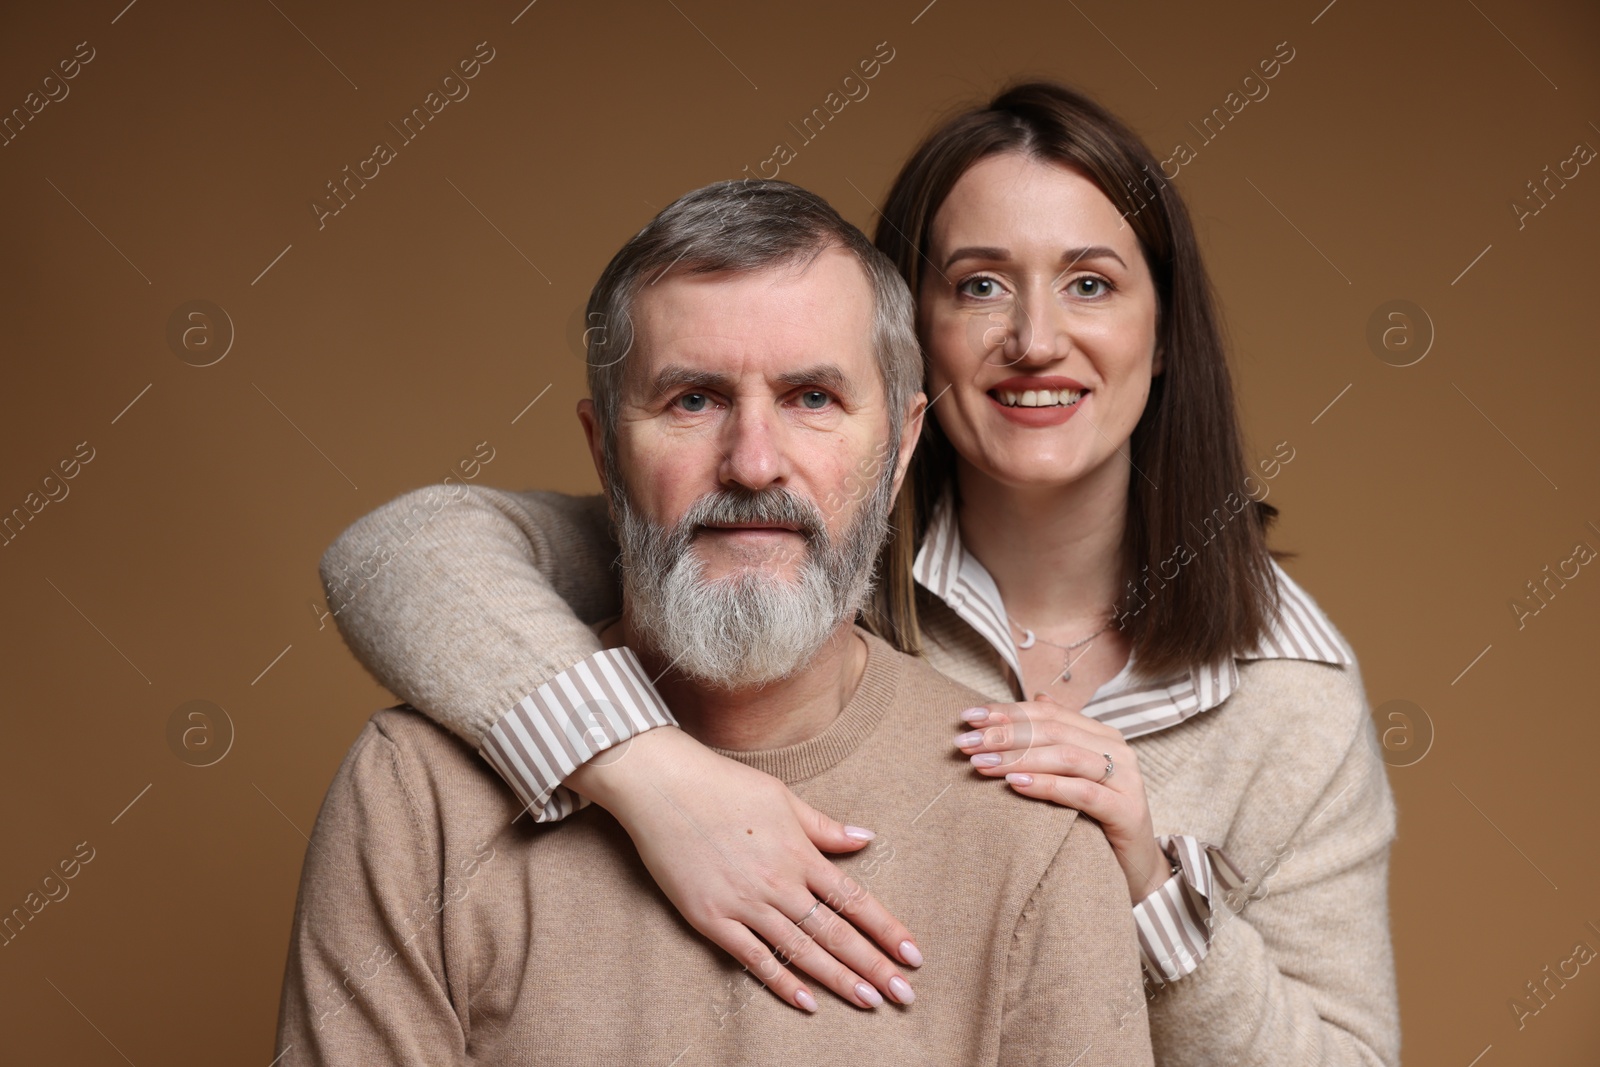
{"x": 1038, "y": 398}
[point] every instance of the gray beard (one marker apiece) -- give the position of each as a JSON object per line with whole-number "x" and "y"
{"x": 754, "y": 627}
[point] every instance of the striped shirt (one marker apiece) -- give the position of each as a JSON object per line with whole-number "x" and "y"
{"x": 607, "y": 698}
{"x": 1174, "y": 922}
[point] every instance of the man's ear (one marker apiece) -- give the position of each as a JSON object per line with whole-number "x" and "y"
{"x": 591, "y": 433}
{"x": 910, "y": 433}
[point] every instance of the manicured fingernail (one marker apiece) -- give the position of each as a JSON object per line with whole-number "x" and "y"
{"x": 974, "y": 714}
{"x": 970, "y": 739}
{"x": 858, "y": 833}
{"x": 805, "y": 1000}
{"x": 986, "y": 759}
{"x": 910, "y": 954}
{"x": 1020, "y": 779}
{"x": 900, "y": 990}
{"x": 869, "y": 996}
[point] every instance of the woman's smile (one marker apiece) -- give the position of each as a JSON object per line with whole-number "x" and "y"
{"x": 1041, "y": 401}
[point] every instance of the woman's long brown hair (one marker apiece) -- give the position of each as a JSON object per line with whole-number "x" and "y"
{"x": 1198, "y": 583}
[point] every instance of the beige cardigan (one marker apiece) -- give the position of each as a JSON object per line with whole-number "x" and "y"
{"x": 464, "y": 608}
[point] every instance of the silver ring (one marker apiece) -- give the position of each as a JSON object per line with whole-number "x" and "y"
{"x": 801, "y": 921}
{"x": 1111, "y": 766}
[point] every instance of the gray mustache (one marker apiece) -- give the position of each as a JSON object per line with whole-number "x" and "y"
{"x": 776, "y": 506}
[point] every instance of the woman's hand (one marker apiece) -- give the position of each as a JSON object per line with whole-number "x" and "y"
{"x": 737, "y": 853}
{"x": 1045, "y": 751}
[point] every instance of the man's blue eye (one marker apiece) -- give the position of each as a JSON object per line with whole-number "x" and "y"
{"x": 814, "y": 398}
{"x": 694, "y": 401}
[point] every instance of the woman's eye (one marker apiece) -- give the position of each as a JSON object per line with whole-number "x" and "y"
{"x": 1089, "y": 285}
{"x": 981, "y": 288}
{"x": 694, "y": 402}
{"x": 815, "y": 399}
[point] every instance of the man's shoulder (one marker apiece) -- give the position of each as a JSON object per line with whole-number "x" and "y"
{"x": 915, "y": 748}
{"x": 409, "y": 730}
{"x": 918, "y": 679}
{"x": 436, "y": 770}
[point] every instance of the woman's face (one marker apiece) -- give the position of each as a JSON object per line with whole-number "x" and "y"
{"x": 1039, "y": 317}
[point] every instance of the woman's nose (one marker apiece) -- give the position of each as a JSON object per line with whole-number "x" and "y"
{"x": 1036, "y": 333}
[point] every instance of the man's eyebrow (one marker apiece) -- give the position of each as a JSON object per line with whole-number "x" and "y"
{"x": 827, "y": 375}
{"x": 675, "y": 376}
{"x": 1068, "y": 258}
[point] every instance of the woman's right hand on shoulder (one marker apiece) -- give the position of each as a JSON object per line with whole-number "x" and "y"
{"x": 741, "y": 857}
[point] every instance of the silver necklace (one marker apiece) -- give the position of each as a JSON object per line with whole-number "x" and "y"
{"x": 1029, "y": 639}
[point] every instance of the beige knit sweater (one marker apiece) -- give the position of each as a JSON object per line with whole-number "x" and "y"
{"x": 464, "y": 609}
{"x": 431, "y": 928}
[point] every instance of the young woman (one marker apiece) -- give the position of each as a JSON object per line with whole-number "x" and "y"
{"x": 1081, "y": 538}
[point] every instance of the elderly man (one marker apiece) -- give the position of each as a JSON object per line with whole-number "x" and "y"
{"x": 755, "y": 401}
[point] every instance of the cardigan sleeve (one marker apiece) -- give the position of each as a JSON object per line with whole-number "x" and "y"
{"x": 472, "y": 605}
{"x": 1300, "y": 967}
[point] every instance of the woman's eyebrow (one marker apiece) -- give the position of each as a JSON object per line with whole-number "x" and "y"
{"x": 976, "y": 252}
{"x": 1077, "y": 255}
{"x": 1068, "y": 258}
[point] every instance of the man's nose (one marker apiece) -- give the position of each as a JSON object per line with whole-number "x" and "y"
{"x": 754, "y": 447}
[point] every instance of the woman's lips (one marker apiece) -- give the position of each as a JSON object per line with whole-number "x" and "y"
{"x": 1041, "y": 402}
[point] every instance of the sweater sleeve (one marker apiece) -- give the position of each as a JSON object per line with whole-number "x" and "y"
{"x": 1073, "y": 977}
{"x": 1301, "y": 967}
{"x": 472, "y": 605}
{"x": 367, "y": 980}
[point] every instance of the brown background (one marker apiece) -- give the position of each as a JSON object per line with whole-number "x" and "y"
{"x": 379, "y": 350}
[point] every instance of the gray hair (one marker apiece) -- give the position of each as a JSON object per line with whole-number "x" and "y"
{"x": 743, "y": 225}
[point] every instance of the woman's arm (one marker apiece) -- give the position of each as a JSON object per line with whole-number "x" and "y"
{"x": 471, "y": 605}
{"x": 1299, "y": 969}
{"x": 466, "y": 602}
{"x": 465, "y": 599}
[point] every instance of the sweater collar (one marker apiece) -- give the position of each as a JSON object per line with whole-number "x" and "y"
{"x": 1299, "y": 630}
{"x": 873, "y": 696}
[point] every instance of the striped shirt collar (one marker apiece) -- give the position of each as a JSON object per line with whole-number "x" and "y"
{"x": 1299, "y": 631}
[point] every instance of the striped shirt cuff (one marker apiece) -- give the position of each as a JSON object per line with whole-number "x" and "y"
{"x": 1174, "y": 923}
{"x": 591, "y": 706}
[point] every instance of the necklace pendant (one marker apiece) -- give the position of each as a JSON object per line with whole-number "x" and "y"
{"x": 1066, "y": 675}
